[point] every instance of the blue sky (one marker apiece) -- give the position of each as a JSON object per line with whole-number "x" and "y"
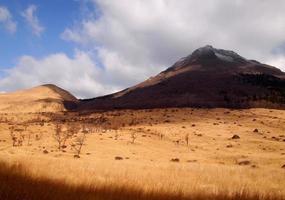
{"x": 95, "y": 47}
{"x": 54, "y": 16}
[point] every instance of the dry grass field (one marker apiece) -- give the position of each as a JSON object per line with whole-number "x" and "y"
{"x": 144, "y": 154}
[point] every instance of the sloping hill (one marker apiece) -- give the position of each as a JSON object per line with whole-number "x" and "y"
{"x": 209, "y": 77}
{"x": 45, "y": 98}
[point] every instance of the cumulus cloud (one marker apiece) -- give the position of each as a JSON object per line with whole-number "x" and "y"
{"x": 124, "y": 42}
{"x": 32, "y": 20}
{"x": 7, "y": 20}
{"x": 157, "y": 33}
{"x": 78, "y": 74}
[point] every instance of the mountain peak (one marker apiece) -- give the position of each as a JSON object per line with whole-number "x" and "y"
{"x": 51, "y": 90}
{"x": 209, "y": 77}
{"x": 43, "y": 98}
{"x": 206, "y": 48}
{"x": 209, "y": 52}
{"x": 49, "y": 85}
{"x": 206, "y": 52}
{"x": 208, "y": 55}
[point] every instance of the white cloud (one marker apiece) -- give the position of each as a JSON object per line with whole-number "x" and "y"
{"x": 157, "y": 33}
{"x": 277, "y": 61}
{"x": 134, "y": 39}
{"x": 7, "y": 20}
{"x": 32, "y": 20}
{"x": 119, "y": 72}
{"x": 78, "y": 74}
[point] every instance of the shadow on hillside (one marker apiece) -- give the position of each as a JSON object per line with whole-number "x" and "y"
{"x": 16, "y": 184}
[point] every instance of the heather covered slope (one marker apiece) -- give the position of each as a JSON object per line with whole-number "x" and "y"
{"x": 45, "y": 98}
{"x": 208, "y": 77}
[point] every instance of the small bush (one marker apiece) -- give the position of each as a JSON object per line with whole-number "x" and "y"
{"x": 235, "y": 137}
{"x": 174, "y": 160}
{"x": 119, "y": 158}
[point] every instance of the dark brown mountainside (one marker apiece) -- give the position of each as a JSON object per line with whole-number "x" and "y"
{"x": 208, "y": 77}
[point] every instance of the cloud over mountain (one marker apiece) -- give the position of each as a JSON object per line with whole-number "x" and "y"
{"x": 159, "y": 32}
{"x": 125, "y": 42}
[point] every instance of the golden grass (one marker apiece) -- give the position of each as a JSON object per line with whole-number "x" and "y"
{"x": 27, "y": 173}
{"x": 71, "y": 179}
{"x": 18, "y": 183}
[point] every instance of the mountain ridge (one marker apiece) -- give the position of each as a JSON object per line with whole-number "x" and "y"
{"x": 207, "y": 78}
{"x": 207, "y": 68}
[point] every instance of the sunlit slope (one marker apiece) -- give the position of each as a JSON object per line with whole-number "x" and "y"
{"x": 45, "y": 98}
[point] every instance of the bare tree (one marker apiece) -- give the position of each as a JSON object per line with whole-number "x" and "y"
{"x": 29, "y": 138}
{"x": 28, "y": 134}
{"x": 60, "y": 136}
{"x": 77, "y": 144}
{"x": 187, "y": 139}
{"x": 13, "y": 135}
{"x": 72, "y": 130}
{"x": 133, "y": 137}
{"x": 21, "y": 136}
{"x": 161, "y": 135}
{"x": 17, "y": 136}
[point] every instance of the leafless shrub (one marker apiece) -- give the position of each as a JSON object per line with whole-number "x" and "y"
{"x": 13, "y": 136}
{"x": 60, "y": 136}
{"x": 72, "y": 129}
{"x": 17, "y": 136}
{"x": 78, "y": 142}
{"x": 29, "y": 134}
{"x": 161, "y": 136}
{"x": 133, "y": 137}
{"x": 187, "y": 139}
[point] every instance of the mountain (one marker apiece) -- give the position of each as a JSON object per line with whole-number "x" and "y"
{"x": 45, "y": 98}
{"x": 209, "y": 77}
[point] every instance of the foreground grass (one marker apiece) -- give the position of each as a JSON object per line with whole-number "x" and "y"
{"x": 207, "y": 168}
{"x": 18, "y": 184}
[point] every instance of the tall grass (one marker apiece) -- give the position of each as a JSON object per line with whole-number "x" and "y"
{"x": 16, "y": 183}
